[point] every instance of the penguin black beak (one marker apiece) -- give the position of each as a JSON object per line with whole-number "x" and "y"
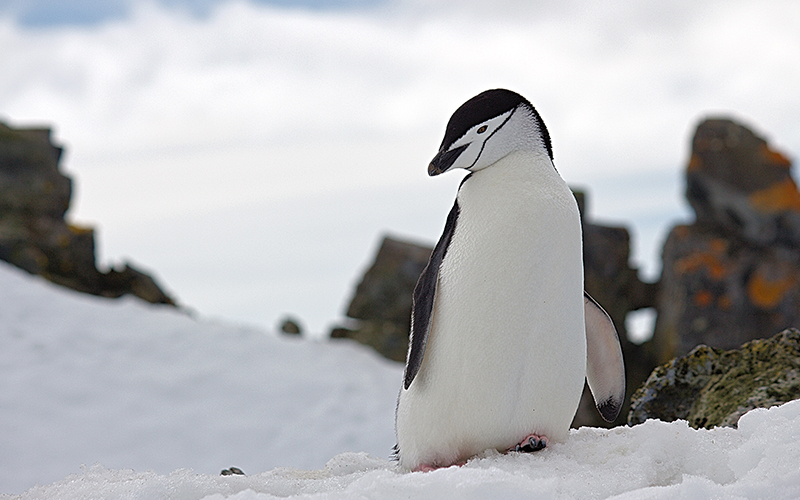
{"x": 444, "y": 160}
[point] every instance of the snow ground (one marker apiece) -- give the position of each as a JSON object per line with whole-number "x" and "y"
{"x": 118, "y": 399}
{"x": 130, "y": 385}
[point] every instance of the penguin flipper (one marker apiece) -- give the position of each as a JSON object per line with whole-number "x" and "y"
{"x": 424, "y": 296}
{"x": 605, "y": 368}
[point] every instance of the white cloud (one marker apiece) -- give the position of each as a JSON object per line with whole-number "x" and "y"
{"x": 168, "y": 116}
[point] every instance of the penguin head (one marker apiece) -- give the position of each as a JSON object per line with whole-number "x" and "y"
{"x": 486, "y": 128}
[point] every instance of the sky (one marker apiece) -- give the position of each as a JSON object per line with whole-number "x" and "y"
{"x": 252, "y": 155}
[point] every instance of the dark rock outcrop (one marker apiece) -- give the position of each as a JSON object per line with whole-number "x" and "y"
{"x": 34, "y": 198}
{"x": 712, "y": 387}
{"x": 735, "y": 273}
{"x": 737, "y": 183}
{"x": 385, "y": 291}
{"x": 382, "y": 301}
{"x": 614, "y": 284}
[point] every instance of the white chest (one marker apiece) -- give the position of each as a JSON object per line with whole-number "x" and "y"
{"x": 511, "y": 284}
{"x": 518, "y": 235}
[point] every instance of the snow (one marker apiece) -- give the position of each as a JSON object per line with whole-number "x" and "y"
{"x": 118, "y": 399}
{"x": 130, "y": 385}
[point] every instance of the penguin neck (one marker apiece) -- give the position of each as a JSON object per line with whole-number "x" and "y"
{"x": 522, "y": 165}
{"x": 523, "y": 182}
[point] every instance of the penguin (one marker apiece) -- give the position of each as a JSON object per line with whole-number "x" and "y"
{"x": 503, "y": 334}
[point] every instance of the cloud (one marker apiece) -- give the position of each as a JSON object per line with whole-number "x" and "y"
{"x": 170, "y": 118}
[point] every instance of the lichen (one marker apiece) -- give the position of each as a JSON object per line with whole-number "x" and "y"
{"x": 710, "y": 387}
{"x": 779, "y": 197}
{"x": 765, "y": 292}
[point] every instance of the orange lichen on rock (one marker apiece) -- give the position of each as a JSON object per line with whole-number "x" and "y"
{"x": 773, "y": 157}
{"x": 76, "y": 229}
{"x": 703, "y": 298}
{"x": 719, "y": 245}
{"x": 766, "y": 293}
{"x": 695, "y": 163}
{"x": 712, "y": 261}
{"x": 779, "y": 197}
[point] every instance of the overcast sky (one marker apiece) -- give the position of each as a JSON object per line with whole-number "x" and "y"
{"x": 251, "y": 154}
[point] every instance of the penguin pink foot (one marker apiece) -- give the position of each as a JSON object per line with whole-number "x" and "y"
{"x": 425, "y": 468}
{"x": 531, "y": 443}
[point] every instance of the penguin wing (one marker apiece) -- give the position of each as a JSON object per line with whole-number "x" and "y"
{"x": 424, "y": 296}
{"x": 605, "y": 369}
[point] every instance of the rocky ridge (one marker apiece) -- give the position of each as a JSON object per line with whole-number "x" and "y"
{"x": 34, "y": 234}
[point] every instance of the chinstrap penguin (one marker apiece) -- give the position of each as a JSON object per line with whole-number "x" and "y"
{"x": 501, "y": 325}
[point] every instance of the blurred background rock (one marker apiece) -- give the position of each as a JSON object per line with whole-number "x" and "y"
{"x": 34, "y": 234}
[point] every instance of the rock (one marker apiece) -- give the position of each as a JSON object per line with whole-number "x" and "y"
{"x": 385, "y": 291}
{"x": 233, "y": 471}
{"x": 737, "y": 183}
{"x": 735, "y": 272}
{"x": 615, "y": 285}
{"x": 291, "y": 326}
{"x": 34, "y": 198}
{"x": 382, "y": 301}
{"x": 712, "y": 387}
{"x": 390, "y": 339}
{"x": 720, "y": 292}
{"x": 609, "y": 277}
{"x": 30, "y": 182}
{"x": 132, "y": 281}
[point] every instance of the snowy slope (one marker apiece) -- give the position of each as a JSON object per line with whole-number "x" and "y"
{"x": 130, "y": 385}
{"x": 160, "y": 402}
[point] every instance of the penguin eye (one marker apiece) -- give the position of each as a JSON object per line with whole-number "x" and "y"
{"x": 482, "y": 129}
